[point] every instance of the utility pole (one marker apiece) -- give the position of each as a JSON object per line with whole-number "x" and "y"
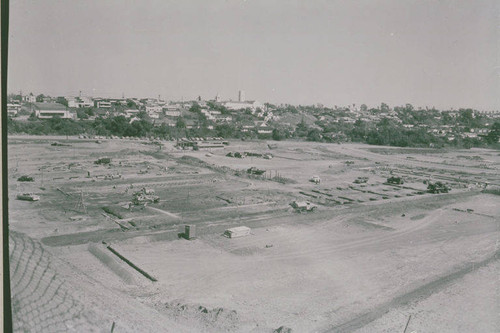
{"x": 80, "y": 205}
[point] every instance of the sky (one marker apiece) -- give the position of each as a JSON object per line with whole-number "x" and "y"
{"x": 427, "y": 53}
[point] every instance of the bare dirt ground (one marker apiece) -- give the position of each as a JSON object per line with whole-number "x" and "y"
{"x": 370, "y": 257}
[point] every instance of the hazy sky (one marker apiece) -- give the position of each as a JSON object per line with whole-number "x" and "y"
{"x": 427, "y": 53}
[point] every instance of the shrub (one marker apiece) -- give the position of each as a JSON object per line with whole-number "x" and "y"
{"x": 104, "y": 160}
{"x": 25, "y": 179}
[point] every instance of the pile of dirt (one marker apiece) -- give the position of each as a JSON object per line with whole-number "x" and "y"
{"x": 216, "y": 320}
{"x": 495, "y": 189}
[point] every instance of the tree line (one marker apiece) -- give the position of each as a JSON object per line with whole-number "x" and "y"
{"x": 384, "y": 132}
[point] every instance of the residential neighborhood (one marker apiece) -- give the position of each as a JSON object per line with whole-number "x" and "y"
{"x": 243, "y": 118}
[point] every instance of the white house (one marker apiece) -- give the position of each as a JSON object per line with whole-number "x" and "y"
{"x": 13, "y": 109}
{"x": 154, "y": 111}
{"x": 102, "y": 104}
{"x": 131, "y": 112}
{"x": 264, "y": 130}
{"x": 51, "y": 110}
{"x": 252, "y": 105}
{"x": 29, "y": 98}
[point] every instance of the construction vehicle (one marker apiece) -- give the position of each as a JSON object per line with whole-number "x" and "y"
{"x": 395, "y": 180}
{"x": 361, "y": 180}
{"x": 267, "y": 156}
{"x": 255, "y": 171}
{"x": 303, "y": 206}
{"x": 437, "y": 187}
{"x": 104, "y": 160}
{"x": 145, "y": 196}
{"x": 315, "y": 179}
{"x": 28, "y": 197}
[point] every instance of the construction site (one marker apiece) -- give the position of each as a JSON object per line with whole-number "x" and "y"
{"x": 251, "y": 236}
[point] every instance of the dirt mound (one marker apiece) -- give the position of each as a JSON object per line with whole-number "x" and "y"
{"x": 213, "y": 320}
{"x": 111, "y": 263}
{"x": 495, "y": 189}
{"x": 42, "y": 301}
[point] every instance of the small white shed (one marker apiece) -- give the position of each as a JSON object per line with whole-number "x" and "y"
{"x": 237, "y": 232}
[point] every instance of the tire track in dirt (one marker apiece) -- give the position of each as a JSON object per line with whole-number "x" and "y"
{"x": 325, "y": 249}
{"x": 414, "y": 295}
{"x": 394, "y": 159}
{"x": 258, "y": 220}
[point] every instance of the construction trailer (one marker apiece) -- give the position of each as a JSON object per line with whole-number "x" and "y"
{"x": 237, "y": 232}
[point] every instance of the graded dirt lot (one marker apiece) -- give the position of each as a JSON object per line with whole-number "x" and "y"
{"x": 368, "y": 258}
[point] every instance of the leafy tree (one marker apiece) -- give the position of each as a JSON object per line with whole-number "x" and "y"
{"x": 62, "y": 100}
{"x": 384, "y": 107}
{"x": 195, "y": 108}
{"x": 494, "y": 133}
{"x": 143, "y": 115}
{"x": 180, "y": 123}
{"x": 314, "y": 135}
{"x": 81, "y": 114}
{"x": 277, "y": 135}
{"x": 301, "y": 129}
{"x": 131, "y": 104}
{"x": 225, "y": 130}
{"x": 359, "y": 131}
{"x": 14, "y": 97}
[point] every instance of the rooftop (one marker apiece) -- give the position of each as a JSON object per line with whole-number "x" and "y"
{"x": 49, "y": 106}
